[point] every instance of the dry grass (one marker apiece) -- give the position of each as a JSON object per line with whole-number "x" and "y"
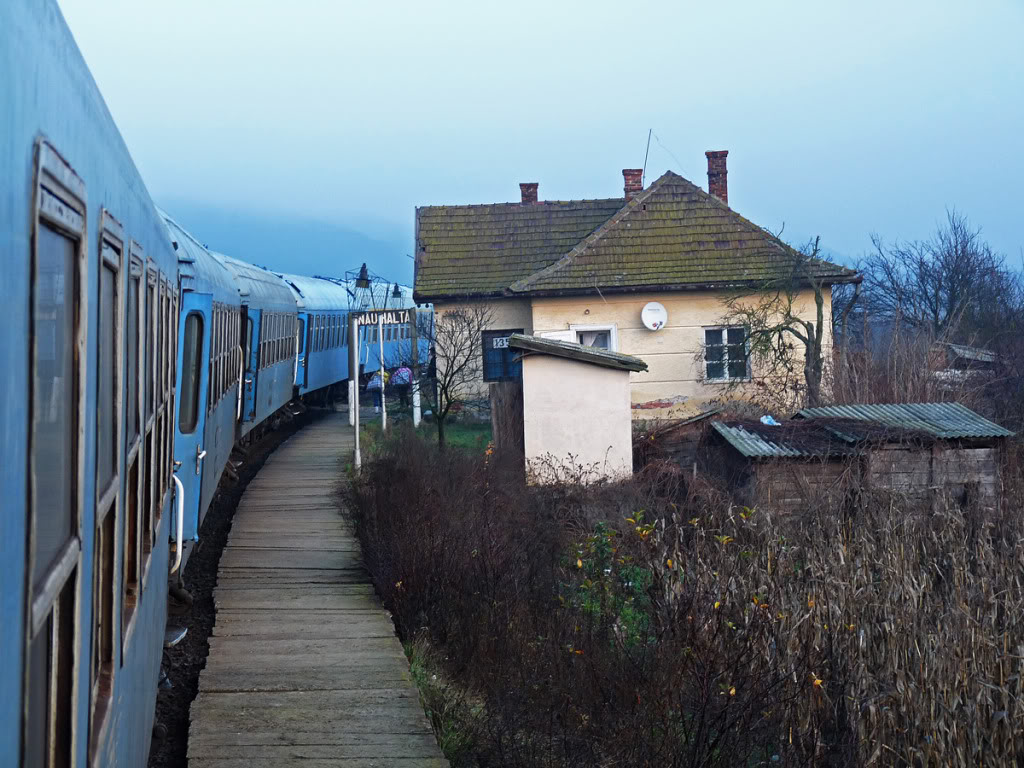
{"x": 648, "y": 624}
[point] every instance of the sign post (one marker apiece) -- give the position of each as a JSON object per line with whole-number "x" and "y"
{"x": 353, "y": 374}
{"x": 414, "y": 361}
{"x": 383, "y": 399}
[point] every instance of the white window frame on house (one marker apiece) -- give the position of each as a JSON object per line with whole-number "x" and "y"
{"x": 725, "y": 356}
{"x": 613, "y": 334}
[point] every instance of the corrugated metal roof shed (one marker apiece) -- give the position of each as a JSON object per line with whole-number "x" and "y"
{"x": 754, "y": 446}
{"x": 789, "y": 440}
{"x": 973, "y": 353}
{"x": 316, "y": 294}
{"x": 944, "y": 420}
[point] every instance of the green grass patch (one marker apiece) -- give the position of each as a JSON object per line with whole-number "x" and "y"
{"x": 469, "y": 436}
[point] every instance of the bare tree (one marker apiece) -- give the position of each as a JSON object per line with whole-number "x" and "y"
{"x": 951, "y": 286}
{"x": 455, "y": 379}
{"x": 779, "y": 326}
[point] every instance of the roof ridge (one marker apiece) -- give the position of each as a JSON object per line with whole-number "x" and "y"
{"x": 519, "y": 204}
{"x": 580, "y": 249}
{"x": 524, "y": 283}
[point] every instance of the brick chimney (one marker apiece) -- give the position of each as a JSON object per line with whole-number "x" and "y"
{"x": 634, "y": 182}
{"x": 718, "y": 185}
{"x": 529, "y": 192}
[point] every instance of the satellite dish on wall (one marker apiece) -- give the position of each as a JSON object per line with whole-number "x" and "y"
{"x": 654, "y": 315}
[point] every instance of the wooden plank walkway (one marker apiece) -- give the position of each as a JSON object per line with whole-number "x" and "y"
{"x": 304, "y": 666}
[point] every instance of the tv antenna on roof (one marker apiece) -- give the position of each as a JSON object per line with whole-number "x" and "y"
{"x": 643, "y": 173}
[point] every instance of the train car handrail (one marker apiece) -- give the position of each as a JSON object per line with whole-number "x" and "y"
{"x": 179, "y": 492}
{"x": 241, "y": 373}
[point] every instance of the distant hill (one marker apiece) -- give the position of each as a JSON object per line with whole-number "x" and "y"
{"x": 291, "y": 243}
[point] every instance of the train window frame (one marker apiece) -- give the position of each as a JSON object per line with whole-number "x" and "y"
{"x": 111, "y": 245}
{"x": 170, "y": 349}
{"x": 59, "y": 204}
{"x": 172, "y": 358}
{"x": 137, "y": 555}
{"x": 105, "y": 618}
{"x": 149, "y": 491}
{"x": 198, "y": 362}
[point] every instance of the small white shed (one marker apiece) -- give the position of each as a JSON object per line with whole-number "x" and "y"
{"x": 576, "y": 406}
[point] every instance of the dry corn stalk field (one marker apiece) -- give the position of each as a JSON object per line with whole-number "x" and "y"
{"x": 902, "y": 629}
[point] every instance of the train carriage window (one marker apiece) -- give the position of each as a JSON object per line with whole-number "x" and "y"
{"x": 263, "y": 340}
{"x": 271, "y": 335}
{"x": 276, "y": 354}
{"x": 133, "y": 542}
{"x": 106, "y": 398}
{"x": 150, "y": 341}
{"x": 191, "y": 362}
{"x": 248, "y": 343}
{"x": 57, "y": 380}
{"x": 55, "y": 395}
{"x": 132, "y": 358}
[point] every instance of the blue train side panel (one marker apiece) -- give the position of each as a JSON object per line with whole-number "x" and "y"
{"x": 323, "y": 345}
{"x": 264, "y": 292}
{"x": 46, "y": 92}
{"x": 203, "y": 438}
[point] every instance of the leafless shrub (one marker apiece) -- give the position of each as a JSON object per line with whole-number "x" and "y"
{"x": 654, "y": 623}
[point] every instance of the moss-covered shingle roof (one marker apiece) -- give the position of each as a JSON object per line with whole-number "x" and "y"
{"x": 672, "y": 236}
{"x": 479, "y": 250}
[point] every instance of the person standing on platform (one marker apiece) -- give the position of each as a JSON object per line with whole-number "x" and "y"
{"x": 401, "y": 381}
{"x": 376, "y": 385}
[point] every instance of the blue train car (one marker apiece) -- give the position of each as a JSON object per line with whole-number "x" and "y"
{"x": 89, "y": 295}
{"x": 270, "y": 322}
{"x": 208, "y": 365}
{"x": 322, "y": 333}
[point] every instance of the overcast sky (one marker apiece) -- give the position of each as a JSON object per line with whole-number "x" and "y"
{"x": 841, "y": 118}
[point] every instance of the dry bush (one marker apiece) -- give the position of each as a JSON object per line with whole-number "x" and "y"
{"x": 653, "y": 623}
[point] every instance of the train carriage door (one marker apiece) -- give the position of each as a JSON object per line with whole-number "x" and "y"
{"x": 300, "y": 364}
{"x": 251, "y": 350}
{"x": 193, "y": 384}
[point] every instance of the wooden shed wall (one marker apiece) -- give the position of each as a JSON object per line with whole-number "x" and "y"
{"x": 953, "y": 470}
{"x": 791, "y": 484}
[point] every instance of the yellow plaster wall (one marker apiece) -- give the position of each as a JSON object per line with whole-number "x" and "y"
{"x": 505, "y": 313}
{"x": 672, "y": 386}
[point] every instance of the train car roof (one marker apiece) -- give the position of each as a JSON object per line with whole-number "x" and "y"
{"x": 260, "y": 287}
{"x": 199, "y": 268}
{"x": 315, "y": 294}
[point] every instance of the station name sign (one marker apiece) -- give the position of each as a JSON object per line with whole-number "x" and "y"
{"x": 388, "y": 317}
